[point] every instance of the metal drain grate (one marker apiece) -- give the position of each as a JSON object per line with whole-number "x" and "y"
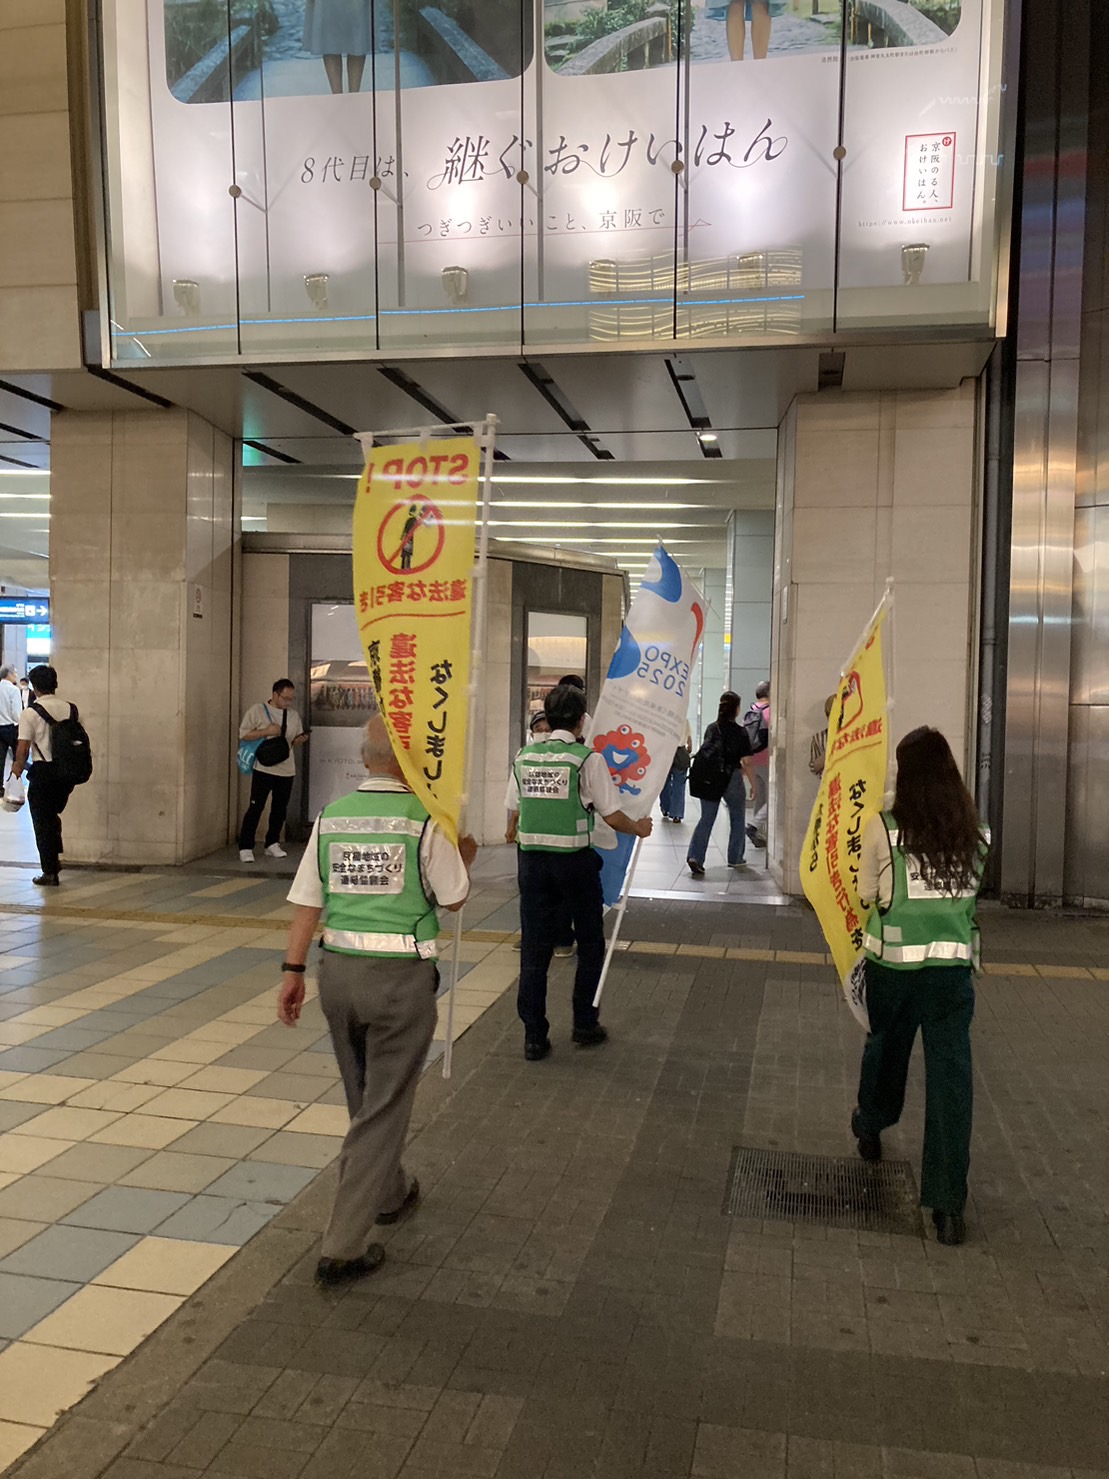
{"x": 837, "y": 1191}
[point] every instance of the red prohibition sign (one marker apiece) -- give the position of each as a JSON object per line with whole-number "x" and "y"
{"x": 396, "y": 539}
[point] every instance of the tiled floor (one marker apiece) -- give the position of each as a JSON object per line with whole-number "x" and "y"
{"x": 570, "y": 1300}
{"x": 153, "y": 1115}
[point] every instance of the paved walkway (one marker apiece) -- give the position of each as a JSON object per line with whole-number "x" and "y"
{"x": 570, "y": 1299}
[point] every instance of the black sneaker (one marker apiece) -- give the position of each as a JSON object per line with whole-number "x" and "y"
{"x": 951, "y": 1230}
{"x": 412, "y": 1196}
{"x": 589, "y": 1037}
{"x": 696, "y": 868}
{"x": 535, "y": 1050}
{"x": 46, "y": 880}
{"x": 870, "y": 1146}
{"x": 332, "y": 1271}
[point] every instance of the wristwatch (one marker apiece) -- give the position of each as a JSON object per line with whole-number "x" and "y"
{"x": 296, "y": 970}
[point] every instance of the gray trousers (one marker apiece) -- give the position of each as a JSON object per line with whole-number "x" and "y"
{"x": 381, "y": 1014}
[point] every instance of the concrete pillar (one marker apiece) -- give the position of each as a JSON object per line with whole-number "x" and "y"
{"x": 872, "y": 485}
{"x": 711, "y": 676}
{"x": 142, "y": 533}
{"x": 751, "y": 558}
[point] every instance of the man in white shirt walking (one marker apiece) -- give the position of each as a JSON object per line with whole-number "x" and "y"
{"x": 11, "y": 711}
{"x": 48, "y": 790}
{"x": 278, "y": 723}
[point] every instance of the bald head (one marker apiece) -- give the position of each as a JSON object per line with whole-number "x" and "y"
{"x": 377, "y": 752}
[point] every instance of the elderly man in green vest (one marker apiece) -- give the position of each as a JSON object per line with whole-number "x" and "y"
{"x": 375, "y": 868}
{"x": 556, "y": 786}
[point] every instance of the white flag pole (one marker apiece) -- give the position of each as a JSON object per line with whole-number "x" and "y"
{"x": 619, "y": 919}
{"x": 479, "y": 587}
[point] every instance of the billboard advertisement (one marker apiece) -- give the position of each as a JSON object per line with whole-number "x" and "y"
{"x": 294, "y": 175}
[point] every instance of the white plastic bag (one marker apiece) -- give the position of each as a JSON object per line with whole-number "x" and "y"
{"x": 14, "y": 793}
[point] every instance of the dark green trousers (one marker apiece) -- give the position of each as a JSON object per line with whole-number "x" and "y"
{"x": 939, "y": 1000}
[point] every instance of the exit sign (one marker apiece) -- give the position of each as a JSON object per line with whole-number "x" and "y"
{"x": 25, "y": 611}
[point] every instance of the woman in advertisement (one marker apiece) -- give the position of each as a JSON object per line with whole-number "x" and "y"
{"x": 334, "y": 29}
{"x": 739, "y": 13}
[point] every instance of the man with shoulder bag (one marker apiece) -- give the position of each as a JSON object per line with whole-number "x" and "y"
{"x": 276, "y": 729}
{"x": 52, "y": 737}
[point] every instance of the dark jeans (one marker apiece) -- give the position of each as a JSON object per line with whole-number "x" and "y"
{"x": 735, "y": 799}
{"x": 276, "y": 789}
{"x": 554, "y": 887}
{"x": 672, "y": 798}
{"x": 938, "y": 999}
{"x": 47, "y": 795}
{"x": 9, "y": 737}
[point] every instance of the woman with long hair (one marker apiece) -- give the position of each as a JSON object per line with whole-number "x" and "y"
{"x": 919, "y": 873}
{"x": 727, "y": 739}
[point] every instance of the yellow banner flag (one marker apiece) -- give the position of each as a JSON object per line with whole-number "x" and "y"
{"x": 413, "y": 584}
{"x": 852, "y": 790}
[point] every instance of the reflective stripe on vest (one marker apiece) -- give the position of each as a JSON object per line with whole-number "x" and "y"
{"x": 402, "y": 826}
{"x": 373, "y": 944}
{"x": 923, "y": 924}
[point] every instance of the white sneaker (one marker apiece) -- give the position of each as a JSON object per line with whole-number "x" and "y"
{"x": 275, "y": 850}
{"x": 246, "y": 855}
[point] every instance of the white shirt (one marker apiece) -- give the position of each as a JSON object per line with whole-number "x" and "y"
{"x": 11, "y": 702}
{"x": 33, "y": 727}
{"x": 875, "y": 865}
{"x": 597, "y": 788}
{"x": 258, "y": 718}
{"x": 442, "y": 871}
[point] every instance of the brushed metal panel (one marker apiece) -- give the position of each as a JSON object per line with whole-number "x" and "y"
{"x": 1090, "y": 680}
{"x": 1057, "y": 615}
{"x": 1025, "y": 618}
{"x": 1088, "y": 808}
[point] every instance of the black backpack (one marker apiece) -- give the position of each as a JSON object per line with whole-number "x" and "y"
{"x": 710, "y": 772}
{"x": 69, "y": 745}
{"x": 754, "y": 722}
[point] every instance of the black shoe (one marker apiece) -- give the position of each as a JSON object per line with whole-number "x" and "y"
{"x": 536, "y": 1049}
{"x": 750, "y": 830}
{"x": 589, "y": 1037}
{"x": 386, "y": 1219}
{"x": 696, "y": 868}
{"x": 46, "y": 880}
{"x": 332, "y": 1271}
{"x": 951, "y": 1230}
{"x": 870, "y": 1146}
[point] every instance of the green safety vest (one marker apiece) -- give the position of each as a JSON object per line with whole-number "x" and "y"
{"x": 553, "y": 817}
{"x": 369, "y": 857}
{"x": 922, "y": 925}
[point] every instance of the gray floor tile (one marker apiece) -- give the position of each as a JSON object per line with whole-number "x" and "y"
{"x": 259, "y": 1060}
{"x": 257, "y": 1181}
{"x": 301, "y": 1088}
{"x": 103, "y": 1163}
{"x": 68, "y": 1253}
{"x": 127, "y": 1209}
{"x": 95, "y": 1065}
{"x": 41, "y": 1197}
{"x": 232, "y": 1141}
{"x": 13, "y": 1112}
{"x": 25, "y": 1301}
{"x": 170, "y": 1170}
{"x": 208, "y": 1219}
{"x": 29, "y": 1059}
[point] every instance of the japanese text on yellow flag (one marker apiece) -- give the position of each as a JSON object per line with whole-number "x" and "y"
{"x": 413, "y": 583}
{"x": 852, "y": 789}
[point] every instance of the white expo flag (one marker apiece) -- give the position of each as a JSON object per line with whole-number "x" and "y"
{"x": 641, "y": 715}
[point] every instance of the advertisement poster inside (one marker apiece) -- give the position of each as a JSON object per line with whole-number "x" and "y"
{"x": 380, "y": 173}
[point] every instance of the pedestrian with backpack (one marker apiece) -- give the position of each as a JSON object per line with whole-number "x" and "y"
{"x": 52, "y": 737}
{"x": 717, "y": 774}
{"x": 756, "y": 721}
{"x": 270, "y": 733}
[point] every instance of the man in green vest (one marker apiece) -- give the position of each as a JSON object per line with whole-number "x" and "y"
{"x": 375, "y": 867}
{"x": 556, "y": 786}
